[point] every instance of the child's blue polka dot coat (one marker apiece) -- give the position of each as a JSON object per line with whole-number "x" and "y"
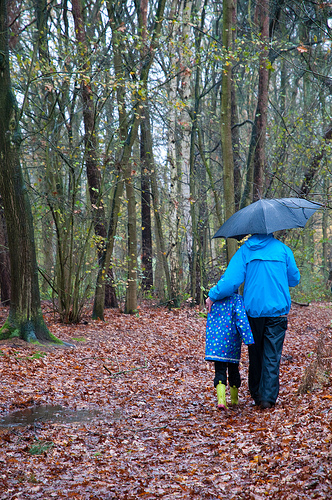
{"x": 227, "y": 325}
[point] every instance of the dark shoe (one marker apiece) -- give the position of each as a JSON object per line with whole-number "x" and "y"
{"x": 266, "y": 405}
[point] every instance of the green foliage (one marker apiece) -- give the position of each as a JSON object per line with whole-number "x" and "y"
{"x": 37, "y": 355}
{"x": 202, "y": 314}
{"x": 312, "y": 286}
{"x": 32, "y": 479}
{"x": 40, "y": 447}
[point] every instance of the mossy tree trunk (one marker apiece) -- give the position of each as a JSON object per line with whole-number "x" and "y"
{"x": 25, "y": 318}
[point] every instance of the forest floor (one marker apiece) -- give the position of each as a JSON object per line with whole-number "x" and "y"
{"x": 130, "y": 413}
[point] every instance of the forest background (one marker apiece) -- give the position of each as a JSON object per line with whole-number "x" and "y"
{"x": 131, "y": 130}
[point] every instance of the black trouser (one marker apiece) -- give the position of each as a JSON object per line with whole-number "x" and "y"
{"x": 264, "y": 357}
{"x": 221, "y": 368}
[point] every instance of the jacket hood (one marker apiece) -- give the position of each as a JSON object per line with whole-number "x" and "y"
{"x": 259, "y": 241}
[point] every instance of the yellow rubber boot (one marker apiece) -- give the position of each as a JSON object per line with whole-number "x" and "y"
{"x": 234, "y": 395}
{"x": 221, "y": 394}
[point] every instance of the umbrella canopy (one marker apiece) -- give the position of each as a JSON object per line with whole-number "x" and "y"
{"x": 266, "y": 216}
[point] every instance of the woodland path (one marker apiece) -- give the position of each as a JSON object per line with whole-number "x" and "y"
{"x": 147, "y": 426}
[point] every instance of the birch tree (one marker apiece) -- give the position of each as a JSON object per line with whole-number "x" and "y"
{"x": 174, "y": 192}
{"x": 186, "y": 95}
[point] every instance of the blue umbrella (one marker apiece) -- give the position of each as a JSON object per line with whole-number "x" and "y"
{"x": 266, "y": 216}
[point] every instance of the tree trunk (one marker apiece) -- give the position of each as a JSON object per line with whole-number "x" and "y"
{"x": 146, "y": 165}
{"x": 174, "y": 210}
{"x": 145, "y": 156}
{"x": 215, "y": 192}
{"x": 256, "y": 157}
{"x": 25, "y": 316}
{"x": 325, "y": 225}
{"x": 261, "y": 113}
{"x": 226, "y": 120}
{"x": 234, "y": 120}
{"x": 313, "y": 168}
{"x": 91, "y": 148}
{"x": 111, "y": 300}
{"x": 4, "y": 262}
{"x": 161, "y": 247}
{"x": 186, "y": 128}
{"x": 104, "y": 263}
{"x": 131, "y": 295}
{"x": 198, "y": 176}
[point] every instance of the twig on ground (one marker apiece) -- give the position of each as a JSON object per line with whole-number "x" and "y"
{"x": 109, "y": 371}
{"x": 151, "y": 428}
{"x": 126, "y": 371}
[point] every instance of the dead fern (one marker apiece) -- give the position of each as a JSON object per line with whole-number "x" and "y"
{"x": 317, "y": 374}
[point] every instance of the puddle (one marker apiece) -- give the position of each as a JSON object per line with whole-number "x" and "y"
{"x": 50, "y": 413}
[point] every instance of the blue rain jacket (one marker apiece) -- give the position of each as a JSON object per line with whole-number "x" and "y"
{"x": 268, "y": 268}
{"x": 227, "y": 325}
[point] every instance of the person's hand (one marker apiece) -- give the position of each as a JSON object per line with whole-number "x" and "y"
{"x": 208, "y": 304}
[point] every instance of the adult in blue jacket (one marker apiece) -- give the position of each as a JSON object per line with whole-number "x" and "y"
{"x": 267, "y": 267}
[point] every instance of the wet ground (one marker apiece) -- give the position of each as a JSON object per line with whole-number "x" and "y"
{"x": 52, "y": 414}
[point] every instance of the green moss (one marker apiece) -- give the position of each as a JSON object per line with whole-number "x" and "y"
{"x": 34, "y": 332}
{"x": 37, "y": 355}
{"x": 54, "y": 339}
{"x": 8, "y": 331}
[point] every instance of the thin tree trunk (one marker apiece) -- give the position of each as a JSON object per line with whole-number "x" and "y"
{"x": 186, "y": 129}
{"x": 157, "y": 215}
{"x": 91, "y": 147}
{"x": 145, "y": 155}
{"x": 325, "y": 226}
{"x": 234, "y": 120}
{"x": 215, "y": 192}
{"x": 174, "y": 211}
{"x": 263, "y": 84}
{"x": 147, "y": 280}
{"x": 226, "y": 120}
{"x": 104, "y": 263}
{"x": 198, "y": 174}
{"x": 254, "y": 186}
{"x": 131, "y": 296}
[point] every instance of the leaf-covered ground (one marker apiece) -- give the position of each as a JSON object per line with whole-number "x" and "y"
{"x": 135, "y": 416}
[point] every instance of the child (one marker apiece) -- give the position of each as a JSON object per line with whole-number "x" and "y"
{"x": 227, "y": 325}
